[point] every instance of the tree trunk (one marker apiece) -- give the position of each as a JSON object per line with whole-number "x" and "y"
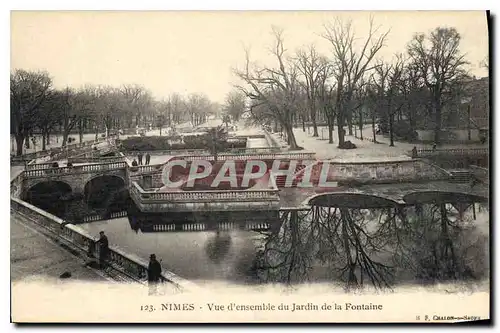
{"x": 340, "y": 128}
{"x": 330, "y": 131}
{"x": 19, "y": 144}
{"x": 291, "y": 137}
{"x": 27, "y": 142}
{"x": 391, "y": 129}
{"x": 44, "y": 139}
{"x": 373, "y": 128}
{"x": 437, "y": 130}
{"x": 65, "y": 138}
{"x": 349, "y": 122}
{"x": 80, "y": 130}
{"x": 361, "y": 123}
{"x": 303, "y": 124}
{"x": 313, "y": 119}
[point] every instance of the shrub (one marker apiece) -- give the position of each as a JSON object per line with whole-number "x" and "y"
{"x": 403, "y": 130}
{"x": 347, "y": 145}
{"x": 190, "y": 142}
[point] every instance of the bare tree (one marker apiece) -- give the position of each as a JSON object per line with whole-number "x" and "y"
{"x": 440, "y": 63}
{"x": 235, "y": 104}
{"x": 325, "y": 93}
{"x": 274, "y": 86}
{"x": 350, "y": 65}
{"x": 386, "y": 79}
{"x": 310, "y": 65}
{"x": 28, "y": 90}
{"x": 198, "y": 107}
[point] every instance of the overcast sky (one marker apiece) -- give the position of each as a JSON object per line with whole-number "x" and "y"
{"x": 194, "y": 51}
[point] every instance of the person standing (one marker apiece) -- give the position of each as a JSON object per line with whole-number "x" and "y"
{"x": 154, "y": 274}
{"x": 148, "y": 158}
{"x": 103, "y": 249}
{"x": 139, "y": 158}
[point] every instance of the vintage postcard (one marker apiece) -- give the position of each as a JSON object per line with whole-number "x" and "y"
{"x": 249, "y": 166}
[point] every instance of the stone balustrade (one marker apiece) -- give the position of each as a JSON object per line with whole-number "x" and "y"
{"x": 204, "y": 196}
{"x": 62, "y": 150}
{"x": 91, "y": 159}
{"x": 254, "y": 156}
{"x": 126, "y": 263}
{"x": 452, "y": 151}
{"x": 414, "y": 170}
{"x": 75, "y": 169}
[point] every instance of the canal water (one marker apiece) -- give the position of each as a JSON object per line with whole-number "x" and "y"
{"x": 198, "y": 256}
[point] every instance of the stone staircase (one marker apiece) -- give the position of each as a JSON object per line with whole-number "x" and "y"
{"x": 462, "y": 176}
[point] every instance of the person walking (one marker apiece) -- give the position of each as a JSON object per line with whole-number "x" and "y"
{"x": 103, "y": 249}
{"x": 139, "y": 158}
{"x": 148, "y": 158}
{"x": 154, "y": 274}
{"x": 414, "y": 152}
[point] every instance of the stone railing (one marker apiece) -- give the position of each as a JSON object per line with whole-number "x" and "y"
{"x": 75, "y": 169}
{"x": 203, "y": 196}
{"x": 452, "y": 151}
{"x": 255, "y": 156}
{"x": 84, "y": 159}
{"x": 168, "y": 152}
{"x": 414, "y": 170}
{"x": 16, "y": 185}
{"x": 61, "y": 150}
{"x": 271, "y": 141}
{"x": 114, "y": 215}
{"x": 39, "y": 166}
{"x": 127, "y": 264}
{"x": 260, "y": 150}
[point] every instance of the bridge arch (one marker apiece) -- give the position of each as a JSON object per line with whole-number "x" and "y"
{"x": 103, "y": 191}
{"x": 50, "y": 195}
{"x": 351, "y": 200}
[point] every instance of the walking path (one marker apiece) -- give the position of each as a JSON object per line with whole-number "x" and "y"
{"x": 33, "y": 254}
{"x": 366, "y": 150}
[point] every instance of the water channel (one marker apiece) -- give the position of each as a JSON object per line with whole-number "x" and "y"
{"x": 200, "y": 256}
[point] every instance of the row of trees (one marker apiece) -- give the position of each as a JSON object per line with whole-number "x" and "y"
{"x": 352, "y": 85}
{"x": 39, "y": 108}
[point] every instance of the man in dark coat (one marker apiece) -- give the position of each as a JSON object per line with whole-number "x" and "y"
{"x": 154, "y": 274}
{"x": 148, "y": 158}
{"x": 139, "y": 157}
{"x": 103, "y": 249}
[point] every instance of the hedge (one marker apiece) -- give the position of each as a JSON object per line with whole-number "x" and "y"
{"x": 152, "y": 143}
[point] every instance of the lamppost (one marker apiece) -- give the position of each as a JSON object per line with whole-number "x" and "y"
{"x": 467, "y": 100}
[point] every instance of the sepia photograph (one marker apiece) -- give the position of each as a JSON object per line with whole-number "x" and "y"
{"x": 250, "y": 166}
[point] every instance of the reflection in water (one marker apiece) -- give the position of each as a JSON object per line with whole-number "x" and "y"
{"x": 218, "y": 247}
{"x": 200, "y": 256}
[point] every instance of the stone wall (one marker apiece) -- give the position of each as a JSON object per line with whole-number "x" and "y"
{"x": 380, "y": 172}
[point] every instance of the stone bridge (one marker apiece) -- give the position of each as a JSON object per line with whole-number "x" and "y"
{"x": 74, "y": 178}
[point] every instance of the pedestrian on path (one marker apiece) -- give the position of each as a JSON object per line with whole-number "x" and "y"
{"x": 139, "y": 157}
{"x": 103, "y": 249}
{"x": 148, "y": 158}
{"x": 414, "y": 152}
{"x": 154, "y": 274}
